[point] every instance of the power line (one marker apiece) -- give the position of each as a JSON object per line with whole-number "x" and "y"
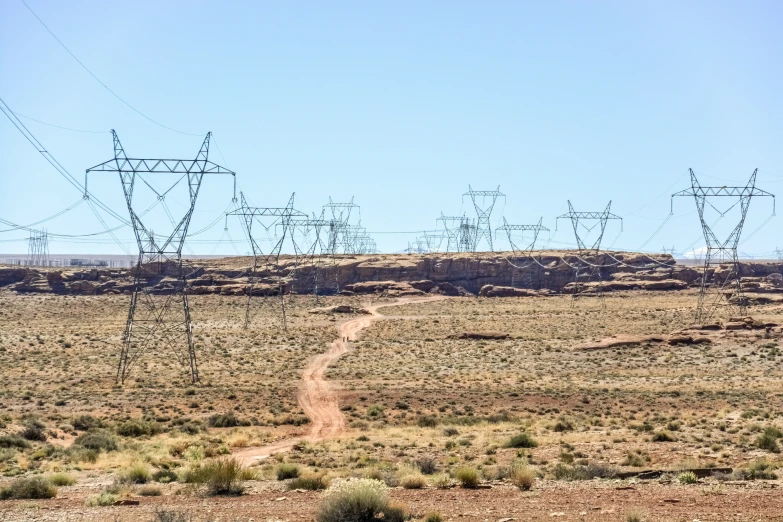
{"x": 99, "y": 80}
{"x": 59, "y": 126}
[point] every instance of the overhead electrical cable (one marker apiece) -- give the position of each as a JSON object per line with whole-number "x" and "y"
{"x": 101, "y": 82}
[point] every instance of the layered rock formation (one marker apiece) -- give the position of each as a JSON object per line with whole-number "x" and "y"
{"x": 488, "y": 274}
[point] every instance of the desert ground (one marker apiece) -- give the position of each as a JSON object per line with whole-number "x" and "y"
{"x": 466, "y": 408}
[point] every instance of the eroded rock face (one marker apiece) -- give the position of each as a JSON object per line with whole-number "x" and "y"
{"x": 454, "y": 274}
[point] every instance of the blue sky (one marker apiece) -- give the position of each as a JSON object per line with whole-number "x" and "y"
{"x": 400, "y": 105}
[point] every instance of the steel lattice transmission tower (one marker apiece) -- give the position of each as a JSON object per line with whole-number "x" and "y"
{"x": 159, "y": 319}
{"x": 341, "y": 214}
{"x": 280, "y": 217}
{"x": 598, "y": 219}
{"x": 38, "y": 248}
{"x": 509, "y": 228}
{"x": 483, "y": 202}
{"x": 712, "y": 295}
{"x": 459, "y": 232}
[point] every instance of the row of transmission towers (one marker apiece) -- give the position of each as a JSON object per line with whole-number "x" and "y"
{"x": 162, "y": 319}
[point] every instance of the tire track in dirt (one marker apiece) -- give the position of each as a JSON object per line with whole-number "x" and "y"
{"x": 316, "y": 397}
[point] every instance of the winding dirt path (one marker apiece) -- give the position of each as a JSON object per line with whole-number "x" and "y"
{"x": 316, "y": 396}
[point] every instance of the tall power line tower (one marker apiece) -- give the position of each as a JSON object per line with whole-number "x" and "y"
{"x": 719, "y": 291}
{"x": 38, "y": 248}
{"x": 483, "y": 202}
{"x": 280, "y": 220}
{"x": 159, "y": 320}
{"x": 597, "y": 219}
{"x": 339, "y": 235}
{"x": 509, "y": 229}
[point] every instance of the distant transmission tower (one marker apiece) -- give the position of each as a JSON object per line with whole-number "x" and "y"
{"x": 270, "y": 218}
{"x": 525, "y": 248}
{"x": 483, "y": 202}
{"x": 155, "y": 320}
{"x": 458, "y": 232}
{"x": 598, "y": 219}
{"x": 340, "y": 215}
{"x": 38, "y": 248}
{"x": 712, "y": 295}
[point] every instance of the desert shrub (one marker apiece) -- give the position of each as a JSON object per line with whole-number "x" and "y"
{"x": 221, "y": 477}
{"x": 223, "y": 420}
{"x": 564, "y": 424}
{"x": 172, "y": 516}
{"x": 34, "y": 431}
{"x": 441, "y": 481}
{"x": 427, "y": 465}
{"x": 433, "y": 517}
{"x": 138, "y": 428}
{"x": 86, "y": 423}
{"x": 13, "y": 441}
{"x": 633, "y": 459}
{"x": 164, "y": 476}
{"x": 758, "y": 470}
{"x": 467, "y": 476}
{"x": 80, "y": 454}
{"x": 98, "y": 440}
{"x": 150, "y": 491}
{"x": 28, "y": 488}
{"x": 687, "y": 477}
{"x": 136, "y": 474}
{"x": 427, "y": 421}
{"x": 522, "y": 476}
{"x": 105, "y": 498}
{"x": 522, "y": 440}
{"x": 450, "y": 431}
{"x": 634, "y": 516}
{"x": 61, "y": 479}
{"x": 583, "y": 472}
{"x": 768, "y": 440}
{"x": 358, "y": 500}
{"x": 413, "y": 481}
{"x": 309, "y": 482}
{"x": 375, "y": 411}
{"x": 287, "y": 471}
{"x": 663, "y": 436}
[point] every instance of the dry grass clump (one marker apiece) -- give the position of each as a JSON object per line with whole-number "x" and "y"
{"x": 309, "y": 482}
{"x": 137, "y": 474}
{"x": 413, "y": 481}
{"x": 28, "y": 488}
{"x": 522, "y": 476}
{"x": 61, "y": 479}
{"x": 467, "y": 476}
{"x": 221, "y": 477}
{"x": 522, "y": 440}
{"x": 287, "y": 471}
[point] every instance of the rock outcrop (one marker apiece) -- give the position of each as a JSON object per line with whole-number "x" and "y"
{"x": 490, "y": 274}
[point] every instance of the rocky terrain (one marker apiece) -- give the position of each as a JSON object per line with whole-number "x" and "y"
{"x": 487, "y": 274}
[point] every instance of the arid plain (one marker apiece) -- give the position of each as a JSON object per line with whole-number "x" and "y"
{"x": 467, "y": 408}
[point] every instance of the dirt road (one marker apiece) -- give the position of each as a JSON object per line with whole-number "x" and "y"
{"x": 316, "y": 396}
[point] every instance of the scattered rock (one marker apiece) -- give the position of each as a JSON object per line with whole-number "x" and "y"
{"x": 483, "y": 335}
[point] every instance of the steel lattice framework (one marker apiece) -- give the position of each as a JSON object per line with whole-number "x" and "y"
{"x": 599, "y": 219}
{"x": 341, "y": 214}
{"x": 509, "y": 228}
{"x": 459, "y": 231}
{"x": 154, "y": 319}
{"x": 713, "y": 294}
{"x": 38, "y": 248}
{"x": 278, "y": 218}
{"x": 483, "y": 202}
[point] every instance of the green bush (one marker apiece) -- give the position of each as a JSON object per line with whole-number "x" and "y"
{"x": 138, "y": 428}
{"x": 136, "y": 474}
{"x": 523, "y": 440}
{"x": 104, "y": 499}
{"x": 98, "y": 440}
{"x": 358, "y": 500}
{"x": 164, "y": 476}
{"x": 522, "y": 476}
{"x": 150, "y": 491}
{"x": 86, "y": 423}
{"x": 427, "y": 421}
{"x": 310, "y": 483}
{"x": 758, "y": 470}
{"x": 287, "y": 471}
{"x": 61, "y": 479}
{"x": 221, "y": 477}
{"x": 34, "y": 431}
{"x": 28, "y": 488}
{"x": 224, "y": 420}
{"x": 433, "y": 517}
{"x": 663, "y": 436}
{"x": 467, "y": 476}
{"x": 13, "y": 441}
{"x": 687, "y": 477}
